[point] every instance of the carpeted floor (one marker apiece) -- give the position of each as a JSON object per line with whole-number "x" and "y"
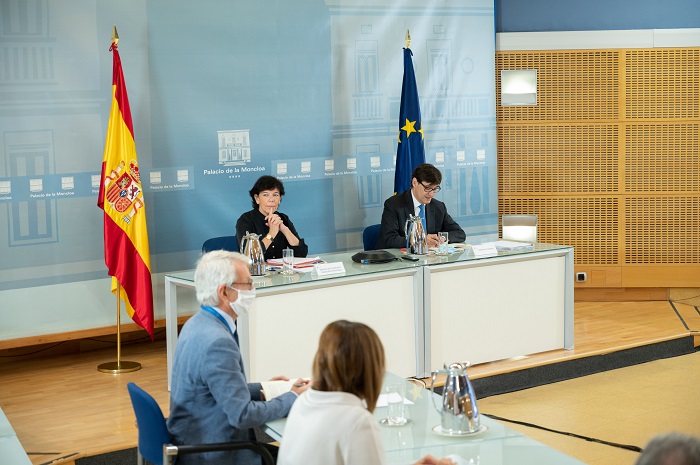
{"x": 120, "y": 457}
{"x": 555, "y": 372}
{"x": 128, "y": 456}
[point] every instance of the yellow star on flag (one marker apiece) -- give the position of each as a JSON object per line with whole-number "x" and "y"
{"x": 409, "y": 127}
{"x": 422, "y": 136}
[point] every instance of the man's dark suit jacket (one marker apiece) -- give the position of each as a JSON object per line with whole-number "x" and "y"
{"x": 392, "y": 234}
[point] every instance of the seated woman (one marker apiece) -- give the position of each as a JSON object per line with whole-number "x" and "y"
{"x": 332, "y": 422}
{"x": 275, "y": 228}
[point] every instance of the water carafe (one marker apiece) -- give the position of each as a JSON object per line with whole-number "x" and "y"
{"x": 251, "y": 248}
{"x": 459, "y": 413}
{"x": 416, "y": 237}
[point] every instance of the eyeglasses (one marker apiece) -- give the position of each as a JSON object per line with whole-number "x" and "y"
{"x": 249, "y": 285}
{"x": 431, "y": 189}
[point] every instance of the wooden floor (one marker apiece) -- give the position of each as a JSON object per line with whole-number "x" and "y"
{"x": 62, "y": 405}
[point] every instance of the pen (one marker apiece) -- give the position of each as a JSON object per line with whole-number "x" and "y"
{"x": 300, "y": 384}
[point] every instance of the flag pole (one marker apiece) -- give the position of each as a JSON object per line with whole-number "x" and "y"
{"x": 119, "y": 366}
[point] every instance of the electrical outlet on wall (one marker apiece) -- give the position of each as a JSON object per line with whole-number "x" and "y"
{"x": 581, "y": 277}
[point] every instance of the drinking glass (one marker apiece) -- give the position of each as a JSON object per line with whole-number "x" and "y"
{"x": 442, "y": 243}
{"x": 396, "y": 409}
{"x": 288, "y": 261}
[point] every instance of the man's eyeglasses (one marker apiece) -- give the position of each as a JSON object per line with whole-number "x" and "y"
{"x": 431, "y": 189}
{"x": 249, "y": 285}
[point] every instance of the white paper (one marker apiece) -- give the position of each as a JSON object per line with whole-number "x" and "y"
{"x": 383, "y": 400}
{"x": 326, "y": 269}
{"x": 297, "y": 261}
{"x": 512, "y": 245}
{"x": 276, "y": 388}
{"x": 484, "y": 250}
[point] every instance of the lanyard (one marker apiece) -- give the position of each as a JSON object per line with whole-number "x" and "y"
{"x": 221, "y": 318}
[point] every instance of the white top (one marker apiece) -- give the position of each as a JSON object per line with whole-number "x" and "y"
{"x": 416, "y": 205}
{"x": 330, "y": 428}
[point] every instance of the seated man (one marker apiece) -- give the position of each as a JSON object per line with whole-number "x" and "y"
{"x": 424, "y": 185}
{"x": 210, "y": 399}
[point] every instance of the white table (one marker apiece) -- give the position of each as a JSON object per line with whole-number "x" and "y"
{"x": 280, "y": 333}
{"x": 434, "y": 311}
{"x": 492, "y": 309}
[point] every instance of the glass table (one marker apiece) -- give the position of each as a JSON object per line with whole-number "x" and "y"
{"x": 458, "y": 307}
{"x": 495, "y": 445}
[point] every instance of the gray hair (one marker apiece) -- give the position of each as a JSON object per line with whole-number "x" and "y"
{"x": 671, "y": 449}
{"x": 214, "y": 269}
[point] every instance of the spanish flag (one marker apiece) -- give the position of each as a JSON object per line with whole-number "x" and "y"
{"x": 410, "y": 151}
{"x": 121, "y": 197}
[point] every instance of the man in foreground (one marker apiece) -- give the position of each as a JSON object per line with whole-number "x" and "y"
{"x": 210, "y": 399}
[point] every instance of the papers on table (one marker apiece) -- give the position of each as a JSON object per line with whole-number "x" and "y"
{"x": 383, "y": 400}
{"x": 301, "y": 264}
{"x": 512, "y": 245}
{"x": 450, "y": 249}
{"x": 488, "y": 249}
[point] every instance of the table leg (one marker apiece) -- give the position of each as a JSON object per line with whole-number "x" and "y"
{"x": 170, "y": 323}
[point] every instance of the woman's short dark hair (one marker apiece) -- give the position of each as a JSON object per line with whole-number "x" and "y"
{"x": 265, "y": 183}
{"x": 427, "y": 173}
{"x": 350, "y": 358}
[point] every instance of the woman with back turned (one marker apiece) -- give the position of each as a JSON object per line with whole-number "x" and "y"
{"x": 332, "y": 422}
{"x": 275, "y": 228}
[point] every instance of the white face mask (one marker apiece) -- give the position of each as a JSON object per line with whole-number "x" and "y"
{"x": 243, "y": 302}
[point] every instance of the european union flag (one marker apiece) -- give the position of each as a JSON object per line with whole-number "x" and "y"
{"x": 410, "y": 152}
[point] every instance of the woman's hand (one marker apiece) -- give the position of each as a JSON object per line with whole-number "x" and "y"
{"x": 274, "y": 222}
{"x": 277, "y": 225}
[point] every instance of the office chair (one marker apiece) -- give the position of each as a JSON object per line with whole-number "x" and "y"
{"x": 221, "y": 243}
{"x": 519, "y": 228}
{"x": 370, "y": 236}
{"x": 154, "y": 438}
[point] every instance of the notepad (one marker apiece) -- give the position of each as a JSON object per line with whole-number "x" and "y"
{"x": 276, "y": 388}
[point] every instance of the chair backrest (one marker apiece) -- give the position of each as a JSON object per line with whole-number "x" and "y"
{"x": 221, "y": 243}
{"x": 519, "y": 227}
{"x": 153, "y": 431}
{"x": 370, "y": 236}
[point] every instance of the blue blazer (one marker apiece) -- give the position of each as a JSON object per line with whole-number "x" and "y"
{"x": 397, "y": 208}
{"x": 210, "y": 399}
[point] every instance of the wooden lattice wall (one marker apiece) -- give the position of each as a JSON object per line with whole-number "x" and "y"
{"x": 609, "y": 159}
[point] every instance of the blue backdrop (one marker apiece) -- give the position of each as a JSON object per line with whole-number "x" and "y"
{"x": 222, "y": 92}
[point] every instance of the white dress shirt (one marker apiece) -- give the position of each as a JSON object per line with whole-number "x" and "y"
{"x": 330, "y": 428}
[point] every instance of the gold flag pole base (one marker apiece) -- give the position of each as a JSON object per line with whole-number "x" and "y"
{"x": 119, "y": 367}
